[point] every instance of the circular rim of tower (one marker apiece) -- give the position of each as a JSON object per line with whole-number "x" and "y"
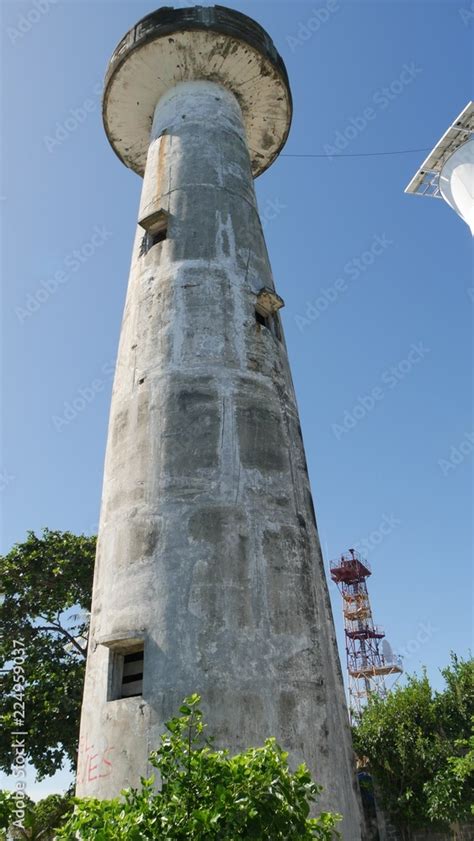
{"x": 221, "y": 45}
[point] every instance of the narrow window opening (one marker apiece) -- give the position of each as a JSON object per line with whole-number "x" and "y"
{"x": 132, "y": 674}
{"x": 277, "y": 326}
{"x": 125, "y": 670}
{"x": 151, "y": 238}
{"x": 144, "y": 245}
{"x": 262, "y": 319}
{"x": 267, "y": 305}
{"x": 159, "y": 236}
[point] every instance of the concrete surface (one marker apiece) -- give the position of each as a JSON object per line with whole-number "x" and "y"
{"x": 208, "y": 548}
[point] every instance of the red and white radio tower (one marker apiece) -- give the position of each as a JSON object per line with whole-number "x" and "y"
{"x": 370, "y": 660}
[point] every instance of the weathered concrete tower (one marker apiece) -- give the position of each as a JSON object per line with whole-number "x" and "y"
{"x": 209, "y": 575}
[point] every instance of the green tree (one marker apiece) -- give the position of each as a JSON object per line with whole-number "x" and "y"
{"x": 7, "y": 807}
{"x": 207, "y": 795}
{"x": 46, "y": 587}
{"x": 420, "y": 747}
{"x": 40, "y": 820}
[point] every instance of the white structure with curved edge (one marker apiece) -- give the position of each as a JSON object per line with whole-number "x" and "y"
{"x": 456, "y": 182}
{"x": 448, "y": 171}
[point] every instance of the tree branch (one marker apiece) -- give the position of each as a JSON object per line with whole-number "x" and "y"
{"x": 59, "y": 629}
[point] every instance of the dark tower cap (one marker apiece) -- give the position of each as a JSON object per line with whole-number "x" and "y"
{"x": 198, "y": 43}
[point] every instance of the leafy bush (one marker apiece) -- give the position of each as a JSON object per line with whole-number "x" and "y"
{"x": 207, "y": 794}
{"x": 420, "y": 748}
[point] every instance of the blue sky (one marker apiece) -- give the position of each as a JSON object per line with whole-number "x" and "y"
{"x": 378, "y": 287}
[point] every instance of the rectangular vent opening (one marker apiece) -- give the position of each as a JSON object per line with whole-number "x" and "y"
{"x": 262, "y": 319}
{"x": 159, "y": 236}
{"x": 151, "y": 239}
{"x": 270, "y": 321}
{"x": 125, "y": 677}
{"x": 132, "y": 674}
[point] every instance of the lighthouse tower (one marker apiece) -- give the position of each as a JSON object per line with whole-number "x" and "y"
{"x": 209, "y": 575}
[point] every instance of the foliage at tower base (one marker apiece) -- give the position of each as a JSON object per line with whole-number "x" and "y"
{"x": 46, "y": 585}
{"x": 33, "y": 821}
{"x": 420, "y": 748}
{"x": 207, "y": 794}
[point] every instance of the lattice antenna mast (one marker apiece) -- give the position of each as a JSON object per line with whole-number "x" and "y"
{"x": 371, "y": 665}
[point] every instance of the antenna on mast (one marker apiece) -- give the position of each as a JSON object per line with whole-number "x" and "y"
{"x": 370, "y": 659}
